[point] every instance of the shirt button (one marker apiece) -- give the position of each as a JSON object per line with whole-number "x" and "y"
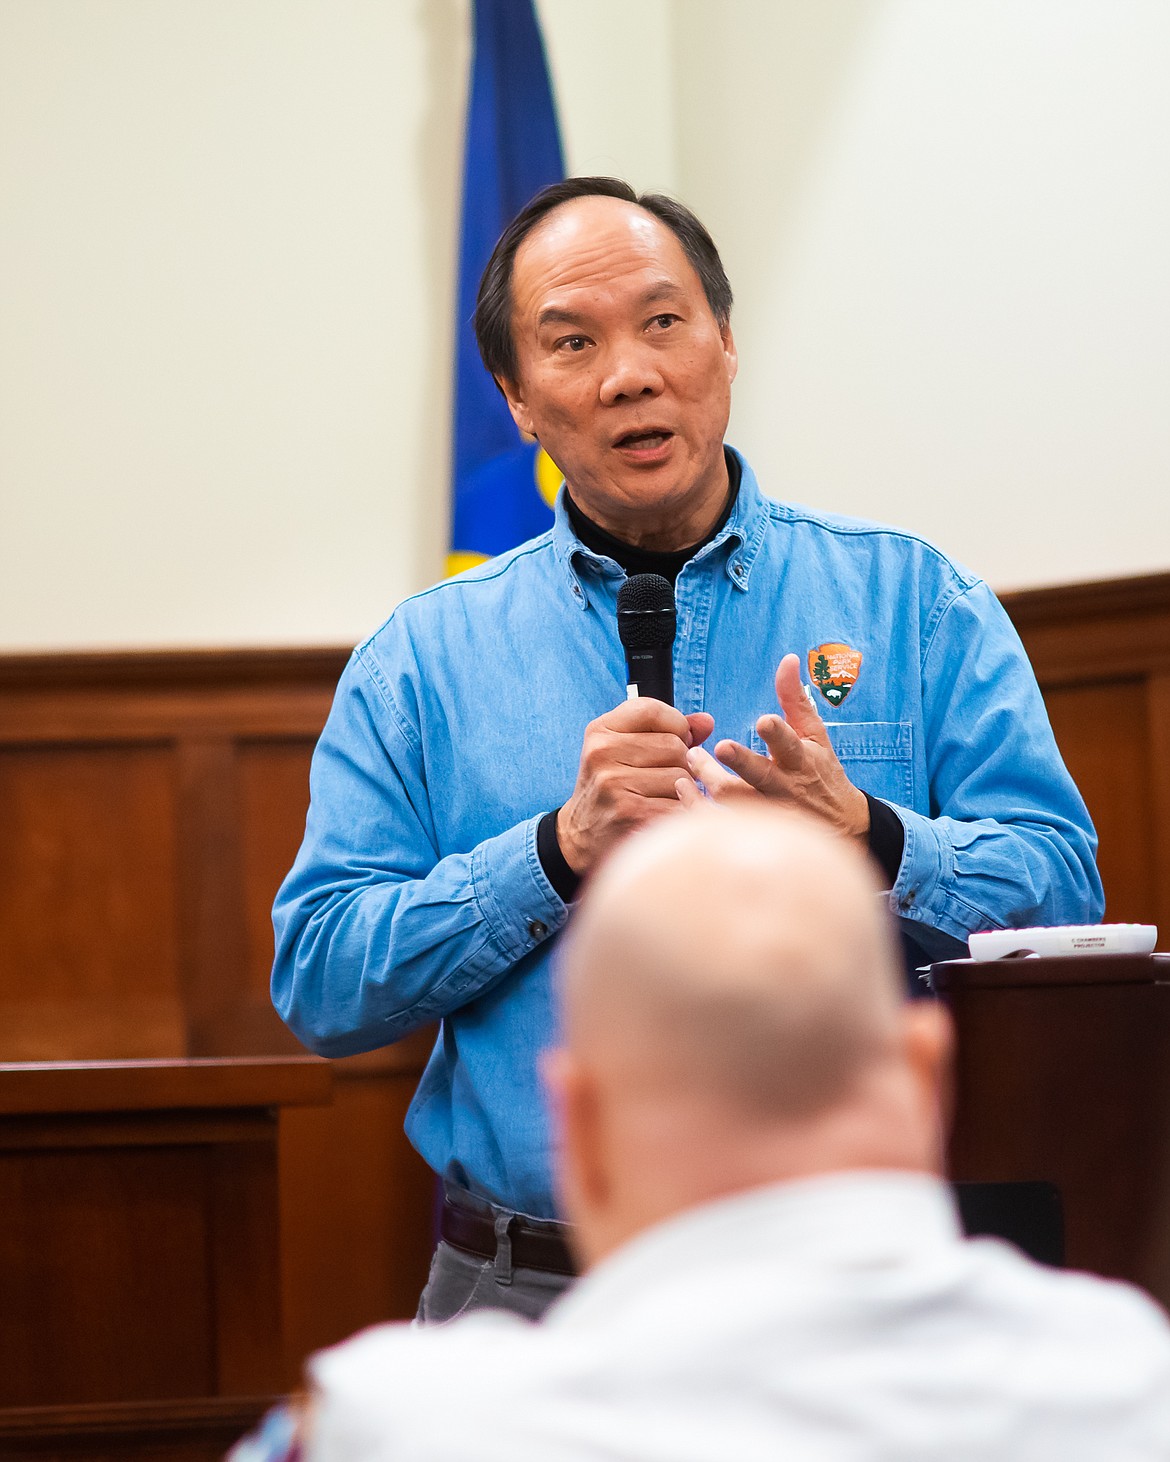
{"x": 738, "y": 571}
{"x": 537, "y": 928}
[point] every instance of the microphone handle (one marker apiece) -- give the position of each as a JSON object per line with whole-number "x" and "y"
{"x": 651, "y": 673}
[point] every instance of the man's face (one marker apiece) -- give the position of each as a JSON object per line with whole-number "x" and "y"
{"x": 623, "y": 373}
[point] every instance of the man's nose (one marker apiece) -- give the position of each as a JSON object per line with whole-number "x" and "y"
{"x": 631, "y": 370}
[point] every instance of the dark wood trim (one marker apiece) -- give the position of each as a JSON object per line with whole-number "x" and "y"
{"x": 1142, "y": 596}
{"x": 124, "y": 697}
{"x": 1108, "y": 598}
{"x": 162, "y": 669}
{"x": 54, "y": 1132}
{"x": 46, "y": 1087}
{"x": 132, "y": 1418}
{"x": 1051, "y": 972}
{"x": 1114, "y": 631}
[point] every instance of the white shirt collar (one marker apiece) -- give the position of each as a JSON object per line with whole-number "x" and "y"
{"x": 841, "y": 1220}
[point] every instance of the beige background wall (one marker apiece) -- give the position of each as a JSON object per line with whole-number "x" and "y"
{"x": 227, "y": 237}
{"x": 949, "y": 224}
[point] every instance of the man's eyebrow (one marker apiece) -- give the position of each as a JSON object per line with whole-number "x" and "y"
{"x": 662, "y": 289}
{"x": 655, "y": 293}
{"x": 555, "y": 316}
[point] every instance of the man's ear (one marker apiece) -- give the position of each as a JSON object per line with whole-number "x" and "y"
{"x": 582, "y": 1178}
{"x": 730, "y": 354}
{"x": 514, "y": 396}
{"x": 929, "y": 1043}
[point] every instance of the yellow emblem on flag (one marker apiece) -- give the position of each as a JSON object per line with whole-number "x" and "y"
{"x": 548, "y": 476}
{"x": 460, "y": 560}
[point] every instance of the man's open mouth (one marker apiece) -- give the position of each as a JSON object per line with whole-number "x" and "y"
{"x": 643, "y": 439}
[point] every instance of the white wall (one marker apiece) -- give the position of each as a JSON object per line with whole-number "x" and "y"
{"x": 227, "y": 241}
{"x": 227, "y": 233}
{"x": 948, "y": 226}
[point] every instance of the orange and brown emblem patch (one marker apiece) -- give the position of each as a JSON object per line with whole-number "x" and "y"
{"x": 834, "y": 669}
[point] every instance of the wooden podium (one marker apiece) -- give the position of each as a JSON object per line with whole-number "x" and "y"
{"x": 139, "y": 1252}
{"x": 1063, "y": 1077}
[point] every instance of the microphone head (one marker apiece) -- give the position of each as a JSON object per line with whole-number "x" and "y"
{"x": 645, "y": 612}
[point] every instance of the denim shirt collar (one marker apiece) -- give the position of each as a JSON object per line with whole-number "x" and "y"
{"x": 738, "y": 543}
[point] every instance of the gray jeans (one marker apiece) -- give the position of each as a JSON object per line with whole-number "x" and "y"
{"x": 459, "y": 1282}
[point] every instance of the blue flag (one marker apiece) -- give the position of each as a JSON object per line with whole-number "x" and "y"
{"x": 503, "y": 486}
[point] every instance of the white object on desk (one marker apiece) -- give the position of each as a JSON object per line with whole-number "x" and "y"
{"x": 1065, "y": 939}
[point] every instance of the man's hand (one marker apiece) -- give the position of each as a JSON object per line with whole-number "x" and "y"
{"x": 631, "y": 759}
{"x": 801, "y": 767}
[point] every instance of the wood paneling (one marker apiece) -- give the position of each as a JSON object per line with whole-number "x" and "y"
{"x": 370, "y": 1187}
{"x": 136, "y": 1245}
{"x": 88, "y": 933}
{"x": 1061, "y": 1078}
{"x": 151, "y": 805}
{"x": 1158, "y": 762}
{"x": 1111, "y": 770}
{"x": 1101, "y": 653}
{"x": 272, "y": 781}
{"x": 138, "y": 1209}
{"x": 136, "y": 1431}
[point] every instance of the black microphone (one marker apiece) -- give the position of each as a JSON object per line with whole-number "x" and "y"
{"x": 646, "y": 625}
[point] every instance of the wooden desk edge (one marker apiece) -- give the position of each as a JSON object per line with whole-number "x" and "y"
{"x": 116, "y": 1418}
{"x": 52, "y": 1087}
{"x": 950, "y": 977}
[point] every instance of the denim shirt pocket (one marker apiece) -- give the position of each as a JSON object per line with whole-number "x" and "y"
{"x": 878, "y": 756}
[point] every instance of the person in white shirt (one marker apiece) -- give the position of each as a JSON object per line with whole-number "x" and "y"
{"x": 750, "y": 1148}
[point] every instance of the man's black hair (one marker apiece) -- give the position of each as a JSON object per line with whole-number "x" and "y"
{"x": 493, "y": 306}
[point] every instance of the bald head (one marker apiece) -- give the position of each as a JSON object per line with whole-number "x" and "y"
{"x": 746, "y": 952}
{"x": 734, "y": 1017}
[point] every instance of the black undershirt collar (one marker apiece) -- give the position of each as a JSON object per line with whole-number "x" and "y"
{"x": 644, "y": 560}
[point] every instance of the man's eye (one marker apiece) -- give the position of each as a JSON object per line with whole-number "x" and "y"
{"x": 574, "y": 343}
{"x": 664, "y": 322}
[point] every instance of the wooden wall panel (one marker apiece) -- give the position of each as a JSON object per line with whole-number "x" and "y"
{"x": 136, "y": 1431}
{"x": 347, "y": 1170}
{"x": 151, "y": 804}
{"x": 1110, "y": 768}
{"x": 1158, "y": 763}
{"x": 139, "y": 1277}
{"x": 166, "y": 795}
{"x": 1101, "y": 653}
{"x": 141, "y": 1234}
{"x": 89, "y": 939}
{"x": 273, "y": 782}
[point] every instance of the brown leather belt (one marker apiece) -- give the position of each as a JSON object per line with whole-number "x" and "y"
{"x": 534, "y": 1246}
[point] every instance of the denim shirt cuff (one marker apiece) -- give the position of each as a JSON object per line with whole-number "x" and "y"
{"x": 519, "y": 905}
{"x": 925, "y": 890}
{"x": 919, "y": 891}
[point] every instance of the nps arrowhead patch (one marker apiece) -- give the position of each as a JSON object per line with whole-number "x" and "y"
{"x": 834, "y": 669}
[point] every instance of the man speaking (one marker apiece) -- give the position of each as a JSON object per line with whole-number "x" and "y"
{"x": 482, "y": 756}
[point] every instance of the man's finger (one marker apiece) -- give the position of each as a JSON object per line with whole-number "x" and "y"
{"x": 753, "y": 773}
{"x": 701, "y": 724}
{"x": 644, "y": 713}
{"x": 719, "y": 782}
{"x": 783, "y": 742}
{"x": 799, "y": 711}
{"x": 688, "y": 794}
{"x": 650, "y": 749}
{"x": 654, "y": 784}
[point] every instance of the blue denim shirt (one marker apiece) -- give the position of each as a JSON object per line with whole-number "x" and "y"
{"x": 418, "y": 894}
